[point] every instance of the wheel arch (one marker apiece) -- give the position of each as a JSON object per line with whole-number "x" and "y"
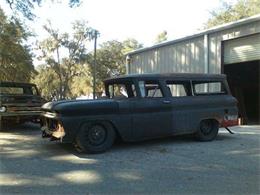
{"x": 216, "y": 119}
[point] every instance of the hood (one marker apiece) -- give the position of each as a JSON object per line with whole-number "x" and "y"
{"x": 82, "y": 107}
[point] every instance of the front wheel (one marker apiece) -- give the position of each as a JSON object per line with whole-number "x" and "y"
{"x": 208, "y": 130}
{"x": 95, "y": 138}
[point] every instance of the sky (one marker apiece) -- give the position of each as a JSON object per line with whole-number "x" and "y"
{"x": 122, "y": 19}
{"x": 139, "y": 19}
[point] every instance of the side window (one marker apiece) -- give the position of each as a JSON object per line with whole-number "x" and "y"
{"x": 34, "y": 91}
{"x": 111, "y": 91}
{"x": 177, "y": 89}
{"x": 133, "y": 90}
{"x": 150, "y": 89}
{"x": 204, "y": 88}
{"x": 120, "y": 90}
{"x": 27, "y": 90}
{"x": 142, "y": 88}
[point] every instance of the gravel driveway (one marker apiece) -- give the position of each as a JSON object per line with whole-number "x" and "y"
{"x": 180, "y": 165}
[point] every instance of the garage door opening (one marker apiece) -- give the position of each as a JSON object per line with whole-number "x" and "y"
{"x": 244, "y": 82}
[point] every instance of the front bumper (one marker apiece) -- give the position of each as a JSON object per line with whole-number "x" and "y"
{"x": 52, "y": 127}
{"x": 58, "y": 133}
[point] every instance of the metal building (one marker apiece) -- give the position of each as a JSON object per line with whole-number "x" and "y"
{"x": 232, "y": 49}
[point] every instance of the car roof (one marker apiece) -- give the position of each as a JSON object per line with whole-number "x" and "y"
{"x": 15, "y": 84}
{"x": 175, "y": 76}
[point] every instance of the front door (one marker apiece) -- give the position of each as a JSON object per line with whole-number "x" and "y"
{"x": 151, "y": 113}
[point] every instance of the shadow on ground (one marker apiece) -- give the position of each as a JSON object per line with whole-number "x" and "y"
{"x": 32, "y": 165}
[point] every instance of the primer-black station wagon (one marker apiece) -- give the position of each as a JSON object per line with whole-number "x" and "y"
{"x": 139, "y": 107}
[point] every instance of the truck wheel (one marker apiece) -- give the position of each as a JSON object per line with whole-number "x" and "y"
{"x": 95, "y": 138}
{"x": 208, "y": 130}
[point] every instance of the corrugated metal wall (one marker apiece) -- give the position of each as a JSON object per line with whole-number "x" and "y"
{"x": 189, "y": 55}
{"x": 185, "y": 56}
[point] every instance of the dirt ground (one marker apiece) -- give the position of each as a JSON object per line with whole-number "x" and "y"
{"x": 180, "y": 165}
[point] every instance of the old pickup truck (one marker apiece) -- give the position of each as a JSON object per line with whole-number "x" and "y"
{"x": 138, "y": 107}
{"x": 19, "y": 102}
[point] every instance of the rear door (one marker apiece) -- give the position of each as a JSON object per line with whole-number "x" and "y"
{"x": 182, "y": 103}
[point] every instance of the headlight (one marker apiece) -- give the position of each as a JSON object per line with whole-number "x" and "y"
{"x": 50, "y": 114}
{"x": 2, "y": 109}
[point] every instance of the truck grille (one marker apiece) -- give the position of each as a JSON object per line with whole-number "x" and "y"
{"x": 51, "y": 124}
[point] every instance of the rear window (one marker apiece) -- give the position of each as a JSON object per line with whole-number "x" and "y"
{"x": 209, "y": 88}
{"x": 18, "y": 90}
{"x": 12, "y": 90}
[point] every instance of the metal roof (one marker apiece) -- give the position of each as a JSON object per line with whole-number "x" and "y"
{"x": 208, "y": 31}
{"x": 181, "y": 76}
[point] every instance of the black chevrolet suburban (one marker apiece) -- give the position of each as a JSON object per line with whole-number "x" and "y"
{"x": 138, "y": 107}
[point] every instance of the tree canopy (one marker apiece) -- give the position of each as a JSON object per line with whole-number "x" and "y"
{"x": 70, "y": 78}
{"x": 110, "y": 59}
{"x": 15, "y": 56}
{"x": 63, "y": 67}
{"x": 161, "y": 37}
{"x": 229, "y": 13}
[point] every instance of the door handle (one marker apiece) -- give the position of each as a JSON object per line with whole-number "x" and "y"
{"x": 166, "y": 101}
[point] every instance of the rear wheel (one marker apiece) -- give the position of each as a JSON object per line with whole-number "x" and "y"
{"x": 208, "y": 130}
{"x": 95, "y": 137}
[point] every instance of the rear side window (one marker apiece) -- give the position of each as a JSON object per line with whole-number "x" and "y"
{"x": 178, "y": 88}
{"x": 209, "y": 88}
{"x": 150, "y": 89}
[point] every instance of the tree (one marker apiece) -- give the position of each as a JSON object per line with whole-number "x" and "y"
{"x": 110, "y": 60}
{"x": 25, "y": 7}
{"x": 130, "y": 45}
{"x": 82, "y": 83}
{"x": 161, "y": 37}
{"x": 65, "y": 67}
{"x": 47, "y": 82}
{"x": 15, "y": 57}
{"x": 229, "y": 13}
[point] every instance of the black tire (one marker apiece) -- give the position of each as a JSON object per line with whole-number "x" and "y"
{"x": 208, "y": 130}
{"x": 95, "y": 137}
